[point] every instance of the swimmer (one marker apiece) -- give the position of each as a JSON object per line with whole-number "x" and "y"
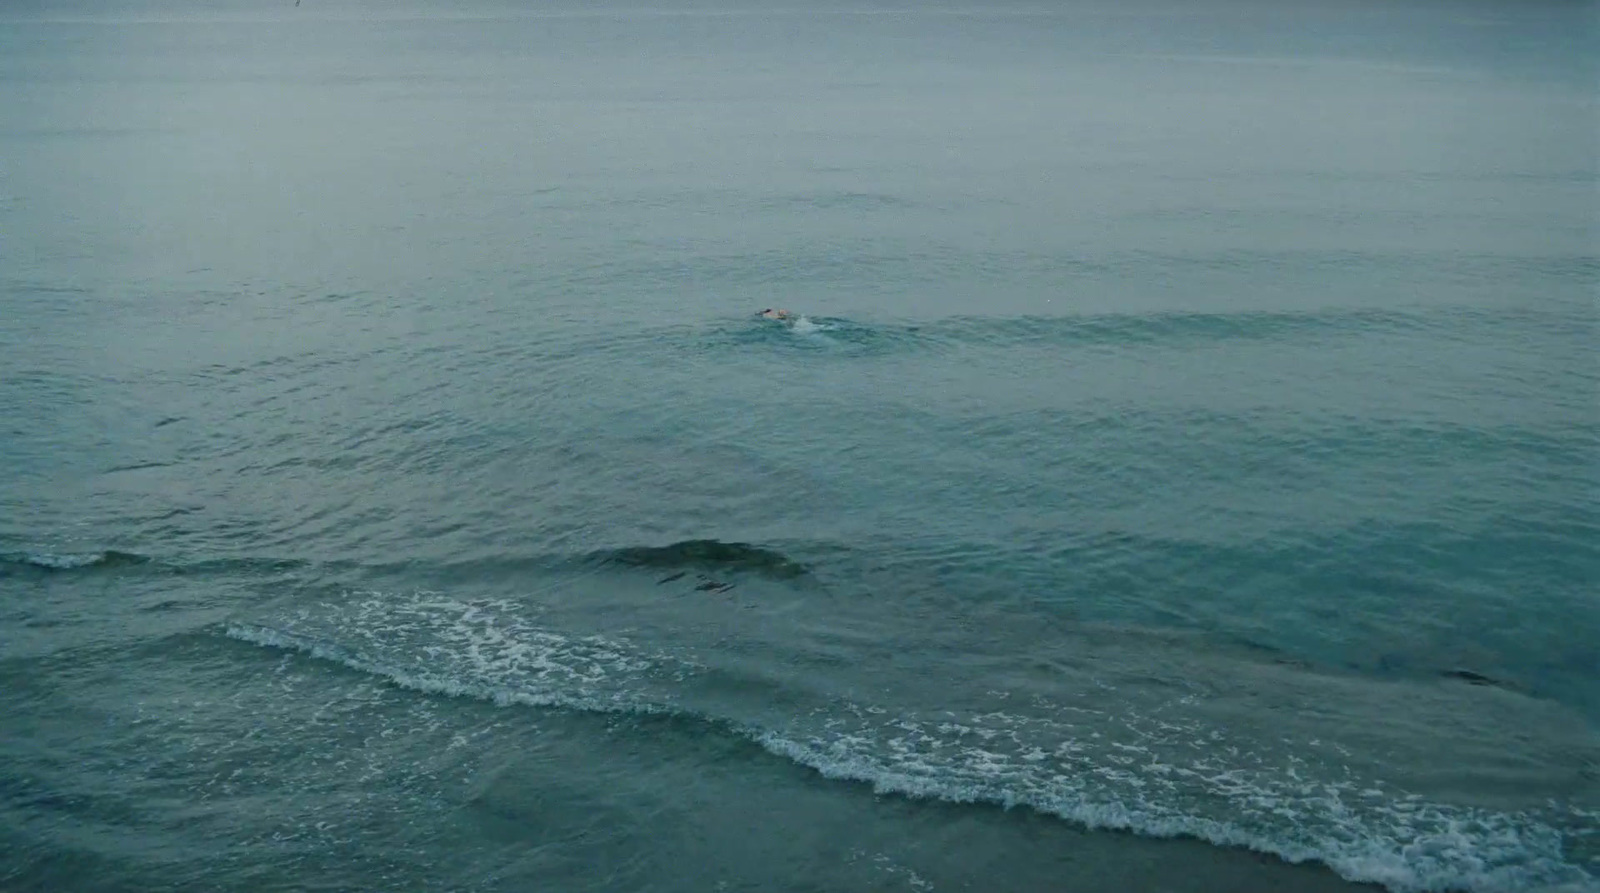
{"x": 771, "y": 313}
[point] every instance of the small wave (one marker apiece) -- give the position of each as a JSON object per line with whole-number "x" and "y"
{"x": 817, "y": 325}
{"x": 1405, "y": 845}
{"x": 437, "y": 683}
{"x": 1164, "y": 328}
{"x": 708, "y": 553}
{"x": 804, "y": 326}
{"x": 57, "y": 561}
{"x": 1160, "y": 776}
{"x": 845, "y": 337}
{"x": 1414, "y": 848}
{"x": 112, "y": 561}
{"x": 842, "y": 200}
{"x": 1156, "y": 330}
{"x": 137, "y": 466}
{"x": 479, "y": 649}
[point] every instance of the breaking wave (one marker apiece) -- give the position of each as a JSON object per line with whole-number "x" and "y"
{"x": 1155, "y": 775}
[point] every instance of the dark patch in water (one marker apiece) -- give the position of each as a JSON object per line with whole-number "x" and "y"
{"x": 1472, "y": 678}
{"x": 1393, "y": 662}
{"x": 137, "y": 466}
{"x": 670, "y": 577}
{"x": 710, "y": 553}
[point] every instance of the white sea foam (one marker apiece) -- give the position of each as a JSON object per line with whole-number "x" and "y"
{"x": 416, "y": 680}
{"x": 1162, "y": 777}
{"x": 474, "y": 649}
{"x": 60, "y": 562}
{"x": 1405, "y": 845}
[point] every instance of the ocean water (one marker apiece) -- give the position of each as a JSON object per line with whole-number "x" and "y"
{"x": 1179, "y": 474}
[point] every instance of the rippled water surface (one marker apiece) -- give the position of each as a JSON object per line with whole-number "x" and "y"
{"x": 1187, "y": 426}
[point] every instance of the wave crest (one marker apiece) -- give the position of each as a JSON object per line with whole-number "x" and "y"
{"x": 72, "y": 561}
{"x": 1111, "y": 766}
{"x": 708, "y": 553}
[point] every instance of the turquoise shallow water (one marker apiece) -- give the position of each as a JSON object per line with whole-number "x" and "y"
{"x": 1188, "y": 430}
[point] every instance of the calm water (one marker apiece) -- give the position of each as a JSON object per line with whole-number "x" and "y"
{"x": 1189, "y": 430}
